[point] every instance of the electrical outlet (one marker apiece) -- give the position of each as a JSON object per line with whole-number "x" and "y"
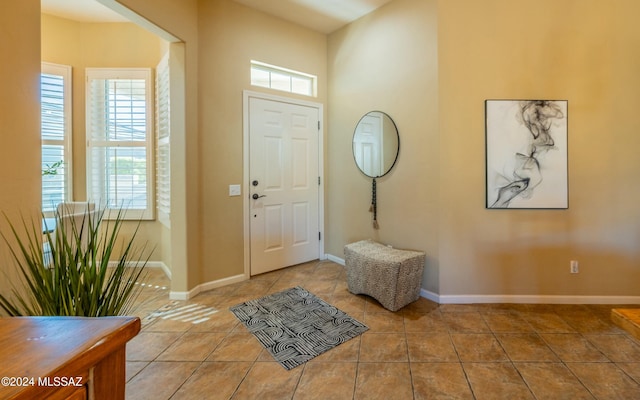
{"x": 574, "y": 266}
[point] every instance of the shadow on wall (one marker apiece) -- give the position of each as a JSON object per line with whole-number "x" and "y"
{"x": 431, "y": 275}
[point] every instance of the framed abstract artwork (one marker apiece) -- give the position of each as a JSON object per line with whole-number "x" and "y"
{"x": 526, "y": 154}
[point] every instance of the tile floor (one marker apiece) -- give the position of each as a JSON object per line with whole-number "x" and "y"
{"x": 424, "y": 351}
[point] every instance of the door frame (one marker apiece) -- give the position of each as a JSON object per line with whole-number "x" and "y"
{"x": 246, "y": 95}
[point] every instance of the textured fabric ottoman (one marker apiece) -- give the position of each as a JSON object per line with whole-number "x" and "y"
{"x": 391, "y": 276}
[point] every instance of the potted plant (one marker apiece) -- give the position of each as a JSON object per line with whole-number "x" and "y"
{"x": 81, "y": 276}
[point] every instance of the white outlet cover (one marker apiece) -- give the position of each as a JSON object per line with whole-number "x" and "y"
{"x": 234, "y": 190}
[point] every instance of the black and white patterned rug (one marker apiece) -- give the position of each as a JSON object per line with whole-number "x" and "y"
{"x": 295, "y": 326}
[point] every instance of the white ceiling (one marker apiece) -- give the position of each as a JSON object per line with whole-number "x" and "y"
{"x": 320, "y": 15}
{"x": 81, "y": 10}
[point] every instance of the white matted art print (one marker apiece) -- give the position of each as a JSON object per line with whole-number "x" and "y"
{"x": 526, "y": 151}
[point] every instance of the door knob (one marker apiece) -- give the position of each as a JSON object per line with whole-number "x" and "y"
{"x": 256, "y": 196}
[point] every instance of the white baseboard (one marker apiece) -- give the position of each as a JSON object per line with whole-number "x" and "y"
{"x": 335, "y": 259}
{"x": 521, "y": 299}
{"x": 148, "y": 264}
{"x": 429, "y": 295}
{"x": 175, "y": 295}
{"x": 161, "y": 265}
{"x": 529, "y": 299}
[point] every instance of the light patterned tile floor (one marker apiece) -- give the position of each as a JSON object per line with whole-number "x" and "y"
{"x": 474, "y": 351}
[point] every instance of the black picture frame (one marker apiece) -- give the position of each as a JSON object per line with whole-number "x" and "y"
{"x": 526, "y": 154}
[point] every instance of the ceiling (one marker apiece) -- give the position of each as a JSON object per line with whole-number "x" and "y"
{"x": 323, "y": 16}
{"x": 320, "y": 15}
{"x": 81, "y": 10}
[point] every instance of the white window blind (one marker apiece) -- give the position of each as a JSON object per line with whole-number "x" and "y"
{"x": 120, "y": 140}
{"x": 287, "y": 80}
{"x": 55, "y": 100}
{"x": 163, "y": 136}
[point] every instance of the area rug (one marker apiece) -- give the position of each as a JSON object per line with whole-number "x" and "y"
{"x": 295, "y": 326}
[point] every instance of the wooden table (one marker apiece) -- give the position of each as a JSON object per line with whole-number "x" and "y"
{"x": 64, "y": 357}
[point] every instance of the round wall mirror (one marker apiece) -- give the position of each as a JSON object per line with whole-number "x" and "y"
{"x": 375, "y": 144}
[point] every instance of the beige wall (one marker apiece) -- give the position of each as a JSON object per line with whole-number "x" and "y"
{"x": 430, "y": 65}
{"x": 179, "y": 18}
{"x": 104, "y": 45}
{"x": 231, "y": 35}
{"x": 228, "y": 36}
{"x": 20, "y": 120}
{"x": 386, "y": 61}
{"x": 586, "y": 52}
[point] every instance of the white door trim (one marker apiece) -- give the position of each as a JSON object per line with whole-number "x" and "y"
{"x": 246, "y": 95}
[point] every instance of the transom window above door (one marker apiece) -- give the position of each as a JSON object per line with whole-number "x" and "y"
{"x": 279, "y": 78}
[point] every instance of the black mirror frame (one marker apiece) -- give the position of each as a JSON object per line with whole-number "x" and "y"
{"x": 395, "y": 160}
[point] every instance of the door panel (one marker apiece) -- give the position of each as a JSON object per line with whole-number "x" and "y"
{"x": 273, "y": 168}
{"x": 283, "y": 160}
{"x": 274, "y": 227}
{"x": 300, "y": 158}
{"x": 300, "y": 224}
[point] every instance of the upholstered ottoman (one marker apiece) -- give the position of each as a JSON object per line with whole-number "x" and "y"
{"x": 391, "y": 276}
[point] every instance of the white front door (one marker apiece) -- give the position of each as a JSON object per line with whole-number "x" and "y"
{"x": 283, "y": 184}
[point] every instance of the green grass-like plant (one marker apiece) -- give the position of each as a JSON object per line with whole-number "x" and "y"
{"x": 76, "y": 278}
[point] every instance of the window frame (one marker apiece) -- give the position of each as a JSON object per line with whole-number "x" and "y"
{"x": 163, "y": 140}
{"x": 286, "y": 73}
{"x": 66, "y": 72}
{"x": 148, "y": 213}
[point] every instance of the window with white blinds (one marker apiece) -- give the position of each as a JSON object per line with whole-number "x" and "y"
{"x": 55, "y": 129}
{"x": 120, "y": 140}
{"x": 163, "y": 135}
